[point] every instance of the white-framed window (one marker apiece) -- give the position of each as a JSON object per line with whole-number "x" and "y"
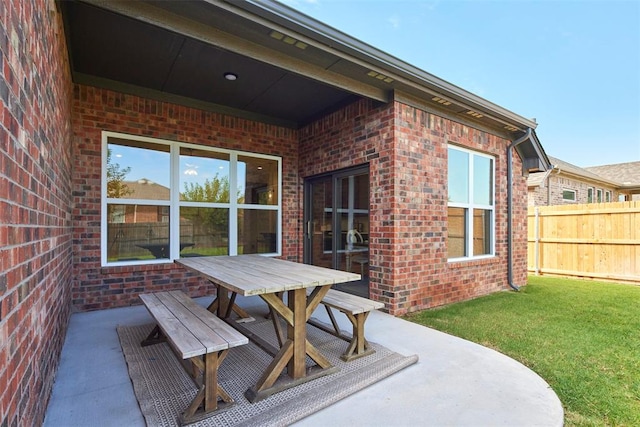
{"x": 599, "y": 195}
{"x": 569, "y": 195}
{"x": 471, "y": 207}
{"x": 590, "y": 195}
{"x": 607, "y": 196}
{"x": 162, "y": 200}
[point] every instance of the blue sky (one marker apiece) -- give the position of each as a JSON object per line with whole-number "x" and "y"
{"x": 574, "y": 66}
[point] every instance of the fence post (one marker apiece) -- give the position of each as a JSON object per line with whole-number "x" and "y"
{"x": 537, "y": 242}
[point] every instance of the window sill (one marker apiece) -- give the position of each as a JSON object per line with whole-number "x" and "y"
{"x": 472, "y": 262}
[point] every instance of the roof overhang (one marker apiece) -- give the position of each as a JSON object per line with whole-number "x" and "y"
{"x": 291, "y": 68}
{"x": 533, "y": 157}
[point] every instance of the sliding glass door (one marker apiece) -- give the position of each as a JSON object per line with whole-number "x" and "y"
{"x": 337, "y": 224}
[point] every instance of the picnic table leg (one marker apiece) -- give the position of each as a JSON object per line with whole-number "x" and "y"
{"x": 294, "y": 350}
{"x": 223, "y": 305}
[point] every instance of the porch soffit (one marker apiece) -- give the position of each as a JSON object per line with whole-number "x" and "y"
{"x": 179, "y": 52}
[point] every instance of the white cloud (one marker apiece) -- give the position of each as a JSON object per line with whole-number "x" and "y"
{"x": 394, "y": 20}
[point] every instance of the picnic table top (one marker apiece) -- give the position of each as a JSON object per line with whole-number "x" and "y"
{"x": 255, "y": 274}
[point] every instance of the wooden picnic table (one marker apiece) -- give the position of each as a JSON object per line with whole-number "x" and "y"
{"x": 249, "y": 275}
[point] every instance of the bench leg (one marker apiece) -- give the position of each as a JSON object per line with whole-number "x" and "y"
{"x": 209, "y": 391}
{"x": 155, "y": 337}
{"x": 359, "y": 346}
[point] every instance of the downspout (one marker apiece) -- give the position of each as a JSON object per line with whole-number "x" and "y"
{"x": 510, "y": 148}
{"x": 545, "y": 183}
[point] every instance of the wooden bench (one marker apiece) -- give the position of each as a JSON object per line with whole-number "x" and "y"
{"x": 200, "y": 339}
{"x": 357, "y": 310}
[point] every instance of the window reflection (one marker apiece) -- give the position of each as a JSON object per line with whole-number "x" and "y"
{"x": 204, "y": 231}
{"x": 257, "y": 181}
{"x": 204, "y": 176}
{"x": 137, "y": 170}
{"x": 257, "y": 231}
{"x": 137, "y": 232}
{"x": 458, "y": 184}
{"x": 482, "y": 180}
{"x": 457, "y": 232}
{"x": 481, "y": 232}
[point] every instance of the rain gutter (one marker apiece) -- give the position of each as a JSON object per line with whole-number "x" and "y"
{"x": 510, "y": 148}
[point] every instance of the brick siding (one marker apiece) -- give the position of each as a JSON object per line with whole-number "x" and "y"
{"x": 551, "y": 193}
{"x": 35, "y": 206}
{"x": 95, "y": 110}
{"x": 406, "y": 150}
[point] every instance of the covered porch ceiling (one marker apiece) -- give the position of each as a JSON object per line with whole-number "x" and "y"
{"x": 291, "y": 69}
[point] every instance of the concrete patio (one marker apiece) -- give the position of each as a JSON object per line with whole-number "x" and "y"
{"x": 454, "y": 383}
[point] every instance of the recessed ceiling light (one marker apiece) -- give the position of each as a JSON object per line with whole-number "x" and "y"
{"x": 230, "y": 76}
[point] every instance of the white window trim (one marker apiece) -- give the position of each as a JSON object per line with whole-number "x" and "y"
{"x": 593, "y": 195}
{"x": 575, "y": 195}
{"x": 174, "y": 202}
{"x": 470, "y": 206}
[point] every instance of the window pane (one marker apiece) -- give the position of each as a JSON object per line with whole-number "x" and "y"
{"x": 354, "y": 192}
{"x": 257, "y": 231}
{"x": 589, "y": 195}
{"x": 569, "y": 195}
{"x": 481, "y": 232}
{"x": 257, "y": 181}
{"x": 137, "y": 232}
{"x": 204, "y": 176}
{"x": 457, "y": 232}
{"x": 137, "y": 170}
{"x": 204, "y": 231}
{"x": 482, "y": 180}
{"x": 458, "y": 173}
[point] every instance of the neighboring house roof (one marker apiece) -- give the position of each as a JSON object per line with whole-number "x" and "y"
{"x": 290, "y": 68}
{"x": 627, "y": 174}
{"x": 146, "y": 189}
{"x": 566, "y": 168}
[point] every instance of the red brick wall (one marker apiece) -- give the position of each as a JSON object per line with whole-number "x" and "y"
{"x": 406, "y": 149}
{"x": 358, "y": 134}
{"x": 95, "y": 110}
{"x": 35, "y": 200}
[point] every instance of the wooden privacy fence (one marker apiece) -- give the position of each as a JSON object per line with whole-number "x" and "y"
{"x": 600, "y": 241}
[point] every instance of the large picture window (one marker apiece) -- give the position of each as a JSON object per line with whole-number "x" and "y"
{"x": 164, "y": 200}
{"x": 471, "y": 214}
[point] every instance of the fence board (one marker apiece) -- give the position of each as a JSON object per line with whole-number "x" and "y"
{"x": 599, "y": 241}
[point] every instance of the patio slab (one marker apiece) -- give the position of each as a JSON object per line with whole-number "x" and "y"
{"x": 455, "y": 382}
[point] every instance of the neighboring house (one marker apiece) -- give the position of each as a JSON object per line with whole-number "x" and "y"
{"x": 569, "y": 184}
{"x": 626, "y": 174}
{"x": 287, "y": 134}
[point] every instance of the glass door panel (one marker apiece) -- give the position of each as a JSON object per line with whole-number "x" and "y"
{"x": 353, "y": 223}
{"x": 319, "y": 236}
{"x": 337, "y": 224}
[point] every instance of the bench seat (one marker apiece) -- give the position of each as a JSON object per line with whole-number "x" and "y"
{"x": 198, "y": 337}
{"x": 357, "y": 310}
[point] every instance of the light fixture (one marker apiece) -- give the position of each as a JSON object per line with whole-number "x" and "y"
{"x": 230, "y": 76}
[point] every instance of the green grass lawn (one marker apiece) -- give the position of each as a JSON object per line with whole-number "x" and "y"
{"x": 582, "y": 337}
